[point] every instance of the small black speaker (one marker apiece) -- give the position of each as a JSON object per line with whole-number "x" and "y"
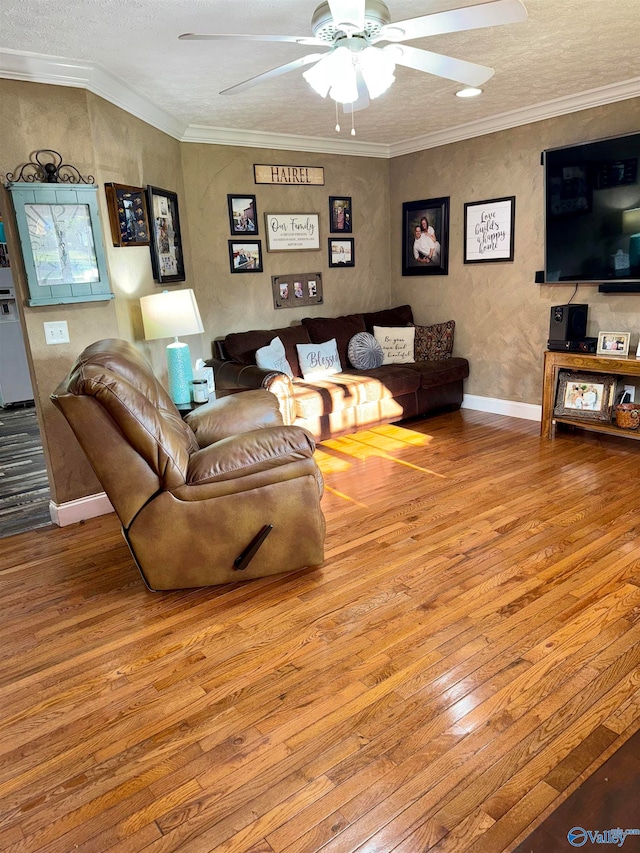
{"x": 568, "y": 322}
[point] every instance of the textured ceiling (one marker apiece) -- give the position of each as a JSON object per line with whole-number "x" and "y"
{"x": 566, "y": 47}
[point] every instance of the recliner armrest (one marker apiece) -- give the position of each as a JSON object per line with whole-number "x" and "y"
{"x": 237, "y": 413}
{"x": 249, "y": 453}
{"x": 231, "y": 375}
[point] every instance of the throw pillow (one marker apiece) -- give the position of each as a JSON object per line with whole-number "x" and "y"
{"x": 435, "y": 342}
{"x": 364, "y": 351}
{"x": 397, "y": 343}
{"x": 273, "y": 357}
{"x": 318, "y": 360}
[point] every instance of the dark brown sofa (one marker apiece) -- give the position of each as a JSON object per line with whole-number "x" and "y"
{"x": 350, "y": 400}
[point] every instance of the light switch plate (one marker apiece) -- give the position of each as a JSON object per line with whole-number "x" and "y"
{"x": 56, "y": 332}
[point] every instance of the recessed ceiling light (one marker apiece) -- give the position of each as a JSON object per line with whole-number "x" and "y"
{"x": 469, "y": 92}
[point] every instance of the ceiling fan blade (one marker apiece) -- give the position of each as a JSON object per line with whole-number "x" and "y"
{"x": 442, "y": 66}
{"x": 309, "y": 40}
{"x": 275, "y": 72}
{"x": 456, "y": 20}
{"x": 363, "y": 97}
{"x": 348, "y": 15}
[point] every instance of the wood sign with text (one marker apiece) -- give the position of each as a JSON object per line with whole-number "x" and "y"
{"x": 289, "y": 175}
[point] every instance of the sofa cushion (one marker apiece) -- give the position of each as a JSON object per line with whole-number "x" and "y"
{"x": 400, "y": 316}
{"x": 440, "y": 372}
{"x": 323, "y": 329}
{"x": 364, "y": 351}
{"x": 397, "y": 343}
{"x": 435, "y": 342}
{"x": 318, "y": 360}
{"x": 346, "y": 390}
{"x": 242, "y": 346}
{"x": 274, "y": 357}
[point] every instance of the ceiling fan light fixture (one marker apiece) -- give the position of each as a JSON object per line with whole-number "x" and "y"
{"x": 469, "y": 92}
{"x": 377, "y": 70}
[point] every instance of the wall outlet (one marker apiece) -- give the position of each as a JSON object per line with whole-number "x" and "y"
{"x": 56, "y": 333}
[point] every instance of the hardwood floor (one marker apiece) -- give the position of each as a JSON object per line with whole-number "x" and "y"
{"x": 468, "y": 650}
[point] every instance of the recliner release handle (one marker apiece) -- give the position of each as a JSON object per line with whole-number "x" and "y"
{"x": 244, "y": 558}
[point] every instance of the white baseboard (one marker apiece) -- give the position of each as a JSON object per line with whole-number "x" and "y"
{"x": 526, "y": 411}
{"x": 71, "y": 512}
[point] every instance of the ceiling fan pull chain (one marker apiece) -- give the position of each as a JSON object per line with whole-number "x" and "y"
{"x": 337, "y": 122}
{"x": 353, "y": 129}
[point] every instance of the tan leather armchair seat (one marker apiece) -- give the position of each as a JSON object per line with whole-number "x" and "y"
{"x": 194, "y": 495}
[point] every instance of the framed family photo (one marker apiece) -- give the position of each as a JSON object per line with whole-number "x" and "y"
{"x": 613, "y": 343}
{"x": 342, "y": 252}
{"x": 167, "y": 259}
{"x": 340, "y": 214}
{"x": 245, "y": 256}
{"x": 585, "y": 396}
{"x": 243, "y": 215}
{"x": 425, "y": 237}
{"x": 488, "y": 230}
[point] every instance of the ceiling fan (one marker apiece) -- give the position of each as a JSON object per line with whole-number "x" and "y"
{"x": 354, "y": 68}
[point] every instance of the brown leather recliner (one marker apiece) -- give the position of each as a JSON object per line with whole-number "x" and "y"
{"x": 196, "y": 498}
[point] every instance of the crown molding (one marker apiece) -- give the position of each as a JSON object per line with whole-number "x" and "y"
{"x": 515, "y": 118}
{"x": 38, "y": 68}
{"x": 283, "y": 142}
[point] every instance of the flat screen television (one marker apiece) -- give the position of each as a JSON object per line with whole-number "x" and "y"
{"x": 592, "y": 213}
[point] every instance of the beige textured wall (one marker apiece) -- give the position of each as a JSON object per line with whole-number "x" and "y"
{"x": 502, "y": 316}
{"x": 240, "y": 301}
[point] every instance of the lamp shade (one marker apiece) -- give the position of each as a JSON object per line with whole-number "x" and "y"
{"x": 631, "y": 221}
{"x": 170, "y": 314}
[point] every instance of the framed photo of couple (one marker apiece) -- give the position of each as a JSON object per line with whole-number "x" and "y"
{"x": 425, "y": 237}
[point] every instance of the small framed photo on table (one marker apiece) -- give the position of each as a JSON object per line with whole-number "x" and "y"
{"x": 613, "y": 343}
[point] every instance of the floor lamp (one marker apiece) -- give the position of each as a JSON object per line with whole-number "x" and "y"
{"x": 168, "y": 315}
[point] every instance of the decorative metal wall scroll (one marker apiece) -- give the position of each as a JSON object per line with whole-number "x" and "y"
{"x": 47, "y": 167}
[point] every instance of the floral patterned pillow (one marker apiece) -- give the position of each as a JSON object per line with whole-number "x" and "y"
{"x": 434, "y": 343}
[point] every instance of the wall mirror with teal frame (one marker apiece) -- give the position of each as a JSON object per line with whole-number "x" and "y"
{"x": 61, "y": 241}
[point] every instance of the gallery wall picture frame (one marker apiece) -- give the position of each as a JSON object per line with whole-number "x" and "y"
{"x": 342, "y": 252}
{"x": 61, "y": 242}
{"x": 292, "y": 232}
{"x": 489, "y": 230}
{"x": 425, "y": 237}
{"x": 243, "y": 214}
{"x": 585, "y": 396}
{"x": 340, "y": 218}
{"x": 167, "y": 260}
{"x": 128, "y": 218}
{"x": 297, "y": 289}
{"x": 615, "y": 344}
{"x": 245, "y": 256}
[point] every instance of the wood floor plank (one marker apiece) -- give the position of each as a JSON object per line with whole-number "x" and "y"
{"x": 468, "y": 651}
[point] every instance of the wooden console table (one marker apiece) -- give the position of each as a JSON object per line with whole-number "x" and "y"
{"x": 579, "y": 361}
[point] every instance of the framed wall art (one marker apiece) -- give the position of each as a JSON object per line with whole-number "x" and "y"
{"x": 489, "y": 230}
{"x": 295, "y": 290}
{"x": 167, "y": 259}
{"x": 342, "y": 252}
{"x": 585, "y": 396}
{"x": 425, "y": 237}
{"x": 340, "y": 214}
{"x": 292, "y": 232}
{"x": 245, "y": 256}
{"x": 128, "y": 219}
{"x": 61, "y": 243}
{"x": 243, "y": 215}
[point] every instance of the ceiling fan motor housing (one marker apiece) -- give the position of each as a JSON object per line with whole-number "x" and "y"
{"x": 323, "y": 26}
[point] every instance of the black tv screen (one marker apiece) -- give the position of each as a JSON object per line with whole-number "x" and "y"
{"x": 592, "y": 213}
